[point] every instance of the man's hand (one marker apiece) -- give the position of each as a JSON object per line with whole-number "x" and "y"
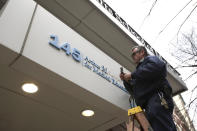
{"x": 125, "y": 77}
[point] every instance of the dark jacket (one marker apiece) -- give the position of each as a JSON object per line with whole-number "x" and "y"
{"x": 148, "y": 78}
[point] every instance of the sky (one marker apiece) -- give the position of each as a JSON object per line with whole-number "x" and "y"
{"x": 134, "y": 13}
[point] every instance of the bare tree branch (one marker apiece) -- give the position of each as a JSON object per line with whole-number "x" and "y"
{"x": 194, "y": 89}
{"x": 186, "y": 20}
{"x": 188, "y": 66}
{"x": 191, "y": 75}
{"x": 192, "y": 57}
{"x": 192, "y": 101}
{"x": 194, "y": 113}
{"x": 186, "y": 52}
{"x": 175, "y": 17}
{"x": 153, "y": 5}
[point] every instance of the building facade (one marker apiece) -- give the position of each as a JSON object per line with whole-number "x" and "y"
{"x": 73, "y": 52}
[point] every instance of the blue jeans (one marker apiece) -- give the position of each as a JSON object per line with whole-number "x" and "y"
{"x": 159, "y": 117}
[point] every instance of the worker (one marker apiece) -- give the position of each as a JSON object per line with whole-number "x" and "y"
{"x": 151, "y": 90}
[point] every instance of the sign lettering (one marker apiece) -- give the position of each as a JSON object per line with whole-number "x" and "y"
{"x": 86, "y": 62}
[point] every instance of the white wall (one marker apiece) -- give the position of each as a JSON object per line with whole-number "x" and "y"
{"x": 14, "y": 21}
{"x": 37, "y": 49}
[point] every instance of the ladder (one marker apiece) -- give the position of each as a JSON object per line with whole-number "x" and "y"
{"x": 137, "y": 114}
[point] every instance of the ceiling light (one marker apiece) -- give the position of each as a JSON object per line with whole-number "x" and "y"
{"x": 87, "y": 113}
{"x": 30, "y": 87}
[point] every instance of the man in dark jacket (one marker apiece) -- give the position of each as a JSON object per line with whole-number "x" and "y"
{"x": 151, "y": 90}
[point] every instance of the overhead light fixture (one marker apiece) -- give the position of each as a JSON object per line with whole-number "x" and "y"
{"x": 30, "y": 87}
{"x": 87, "y": 113}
